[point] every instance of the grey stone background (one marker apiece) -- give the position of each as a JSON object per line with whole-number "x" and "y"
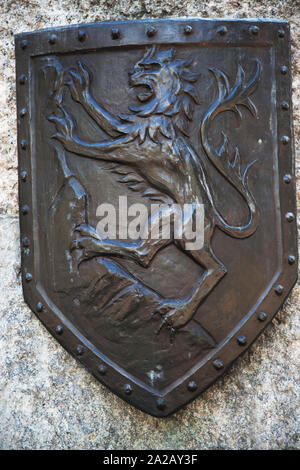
{"x": 47, "y": 400}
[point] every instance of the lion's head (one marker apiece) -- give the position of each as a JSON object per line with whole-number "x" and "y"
{"x": 165, "y": 89}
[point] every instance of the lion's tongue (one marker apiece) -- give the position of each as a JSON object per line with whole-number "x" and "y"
{"x": 144, "y": 96}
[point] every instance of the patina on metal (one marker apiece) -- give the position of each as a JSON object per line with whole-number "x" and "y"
{"x": 172, "y": 111}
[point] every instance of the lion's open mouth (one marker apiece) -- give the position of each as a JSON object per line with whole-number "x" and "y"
{"x": 145, "y": 89}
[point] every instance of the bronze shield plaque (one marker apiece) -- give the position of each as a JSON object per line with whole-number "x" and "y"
{"x": 172, "y": 113}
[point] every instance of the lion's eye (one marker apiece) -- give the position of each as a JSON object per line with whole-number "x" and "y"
{"x": 147, "y": 66}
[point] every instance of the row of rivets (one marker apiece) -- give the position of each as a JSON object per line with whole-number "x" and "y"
{"x": 241, "y": 340}
{"x": 151, "y": 31}
{"x": 287, "y": 178}
{"x": 218, "y": 364}
{"x": 23, "y": 174}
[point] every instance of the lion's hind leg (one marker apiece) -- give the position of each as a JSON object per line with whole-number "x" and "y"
{"x": 178, "y": 312}
{"x": 142, "y": 250}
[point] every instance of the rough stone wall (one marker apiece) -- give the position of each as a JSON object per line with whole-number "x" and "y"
{"x": 47, "y": 400}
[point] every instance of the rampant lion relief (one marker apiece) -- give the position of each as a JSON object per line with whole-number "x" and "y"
{"x": 150, "y": 148}
{"x": 150, "y": 119}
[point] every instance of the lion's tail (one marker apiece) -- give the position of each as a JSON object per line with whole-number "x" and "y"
{"x": 250, "y": 227}
{"x": 229, "y": 99}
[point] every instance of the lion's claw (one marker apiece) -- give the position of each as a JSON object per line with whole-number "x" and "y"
{"x": 175, "y": 315}
{"x": 90, "y": 247}
{"x": 64, "y": 125}
{"x": 87, "y": 231}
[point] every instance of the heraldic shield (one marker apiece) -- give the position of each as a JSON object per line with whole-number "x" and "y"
{"x": 180, "y": 125}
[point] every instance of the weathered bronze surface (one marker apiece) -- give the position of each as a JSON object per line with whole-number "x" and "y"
{"x": 184, "y": 111}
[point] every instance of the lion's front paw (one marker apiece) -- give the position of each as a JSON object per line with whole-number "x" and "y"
{"x": 79, "y": 83}
{"x": 65, "y": 127}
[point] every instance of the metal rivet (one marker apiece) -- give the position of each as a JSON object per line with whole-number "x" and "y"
{"x": 127, "y": 389}
{"x": 279, "y": 289}
{"x": 79, "y": 350}
{"x": 23, "y": 112}
{"x": 254, "y": 30}
{"x": 290, "y": 217}
{"x": 160, "y": 403}
{"x": 24, "y": 44}
{"x": 59, "y": 330}
{"x": 102, "y": 369}
{"x": 81, "y": 35}
{"x": 281, "y": 33}
{"x": 25, "y": 209}
{"x": 242, "y": 340}
{"x": 192, "y": 386}
{"x": 28, "y": 277}
{"x": 52, "y": 39}
{"x": 22, "y": 79}
{"x": 39, "y": 307}
{"x": 262, "y": 316}
{"x": 284, "y": 105}
{"x": 222, "y": 30}
{"x": 115, "y": 33}
{"x": 188, "y": 29}
{"x": 23, "y": 175}
{"x": 218, "y": 364}
{"x": 287, "y": 178}
{"x": 291, "y": 259}
{"x": 151, "y": 31}
{"x": 25, "y": 241}
{"x": 283, "y": 69}
{"x": 285, "y": 139}
{"x": 23, "y": 144}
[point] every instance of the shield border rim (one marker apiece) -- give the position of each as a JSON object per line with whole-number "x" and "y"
{"x": 274, "y": 33}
